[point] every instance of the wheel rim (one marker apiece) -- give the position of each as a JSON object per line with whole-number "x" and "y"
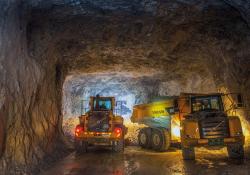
{"x": 156, "y": 139}
{"x": 143, "y": 138}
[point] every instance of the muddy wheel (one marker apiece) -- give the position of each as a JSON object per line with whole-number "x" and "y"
{"x": 235, "y": 151}
{"x": 118, "y": 146}
{"x": 81, "y": 146}
{"x": 160, "y": 140}
{"x": 144, "y": 138}
{"x": 188, "y": 153}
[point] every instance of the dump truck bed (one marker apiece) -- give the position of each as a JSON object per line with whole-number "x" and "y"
{"x": 155, "y": 114}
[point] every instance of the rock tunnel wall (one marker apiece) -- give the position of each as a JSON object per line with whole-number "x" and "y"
{"x": 30, "y": 120}
{"x": 40, "y": 47}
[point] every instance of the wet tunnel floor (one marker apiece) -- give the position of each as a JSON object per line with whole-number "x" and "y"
{"x": 134, "y": 160}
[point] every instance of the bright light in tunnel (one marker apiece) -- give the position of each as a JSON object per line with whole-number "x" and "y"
{"x": 78, "y": 90}
{"x": 124, "y": 103}
{"x": 127, "y": 106}
{"x": 176, "y": 131}
{"x": 175, "y": 127}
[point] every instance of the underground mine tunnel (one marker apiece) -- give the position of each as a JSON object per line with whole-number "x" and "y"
{"x": 56, "y": 54}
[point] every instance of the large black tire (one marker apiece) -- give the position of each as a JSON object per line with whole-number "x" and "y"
{"x": 81, "y": 146}
{"x": 167, "y": 141}
{"x": 188, "y": 153}
{"x": 118, "y": 146}
{"x": 235, "y": 151}
{"x": 160, "y": 140}
{"x": 144, "y": 137}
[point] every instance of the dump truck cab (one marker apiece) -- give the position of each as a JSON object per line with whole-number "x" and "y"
{"x": 205, "y": 123}
{"x": 100, "y": 126}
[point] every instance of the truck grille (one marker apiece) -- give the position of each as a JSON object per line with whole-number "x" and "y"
{"x": 214, "y": 127}
{"x": 98, "y": 121}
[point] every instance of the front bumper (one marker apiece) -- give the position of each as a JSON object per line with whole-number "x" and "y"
{"x": 190, "y": 142}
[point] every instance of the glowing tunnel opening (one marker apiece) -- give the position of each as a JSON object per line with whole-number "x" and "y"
{"x": 128, "y": 90}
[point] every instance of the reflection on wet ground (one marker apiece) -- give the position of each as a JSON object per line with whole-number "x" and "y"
{"x": 134, "y": 160}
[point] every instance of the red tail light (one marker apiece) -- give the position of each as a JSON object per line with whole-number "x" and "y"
{"x": 78, "y": 130}
{"x": 118, "y": 132}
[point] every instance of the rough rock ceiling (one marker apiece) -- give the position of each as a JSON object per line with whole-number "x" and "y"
{"x": 144, "y": 43}
{"x": 151, "y": 7}
{"x": 193, "y": 37}
{"x": 243, "y": 6}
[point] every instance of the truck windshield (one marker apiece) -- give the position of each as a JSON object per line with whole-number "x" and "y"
{"x": 102, "y": 104}
{"x": 206, "y": 103}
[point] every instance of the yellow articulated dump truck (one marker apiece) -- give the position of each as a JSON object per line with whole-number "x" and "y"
{"x": 100, "y": 126}
{"x": 206, "y": 123}
{"x": 163, "y": 124}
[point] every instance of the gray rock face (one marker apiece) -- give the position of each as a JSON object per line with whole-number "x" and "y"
{"x": 243, "y": 6}
{"x": 30, "y": 121}
{"x": 133, "y": 50}
{"x": 151, "y": 7}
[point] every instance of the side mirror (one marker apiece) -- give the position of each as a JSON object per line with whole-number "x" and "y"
{"x": 240, "y": 102}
